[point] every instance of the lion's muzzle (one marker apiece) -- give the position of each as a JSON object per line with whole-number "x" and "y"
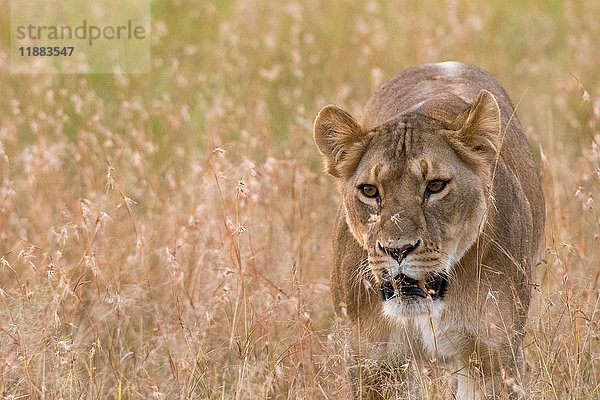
{"x": 433, "y": 288}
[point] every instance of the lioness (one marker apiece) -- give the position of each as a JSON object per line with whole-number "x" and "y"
{"x": 440, "y": 221}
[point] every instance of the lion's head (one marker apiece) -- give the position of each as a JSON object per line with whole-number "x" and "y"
{"x": 414, "y": 190}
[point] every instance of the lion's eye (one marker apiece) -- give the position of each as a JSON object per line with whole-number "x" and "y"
{"x": 435, "y": 186}
{"x": 369, "y": 191}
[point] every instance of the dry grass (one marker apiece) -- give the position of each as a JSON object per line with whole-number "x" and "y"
{"x": 168, "y": 235}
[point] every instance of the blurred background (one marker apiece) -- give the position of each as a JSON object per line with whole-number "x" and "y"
{"x": 167, "y": 235}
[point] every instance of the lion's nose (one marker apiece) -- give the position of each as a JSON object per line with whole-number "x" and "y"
{"x": 398, "y": 253}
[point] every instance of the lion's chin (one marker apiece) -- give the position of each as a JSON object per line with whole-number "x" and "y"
{"x": 404, "y": 296}
{"x": 400, "y": 309}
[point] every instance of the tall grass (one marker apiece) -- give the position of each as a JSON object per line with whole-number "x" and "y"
{"x": 168, "y": 235}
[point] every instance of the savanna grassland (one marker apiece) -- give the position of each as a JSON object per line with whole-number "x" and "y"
{"x": 167, "y": 235}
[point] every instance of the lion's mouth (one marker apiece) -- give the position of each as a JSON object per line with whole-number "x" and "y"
{"x": 433, "y": 288}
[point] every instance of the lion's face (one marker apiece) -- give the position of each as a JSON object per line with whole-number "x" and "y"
{"x": 414, "y": 195}
{"x": 415, "y": 207}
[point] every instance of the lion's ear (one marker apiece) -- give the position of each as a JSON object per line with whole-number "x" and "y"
{"x": 479, "y": 137}
{"x": 340, "y": 139}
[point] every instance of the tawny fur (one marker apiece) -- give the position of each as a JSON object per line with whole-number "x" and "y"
{"x": 447, "y": 121}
